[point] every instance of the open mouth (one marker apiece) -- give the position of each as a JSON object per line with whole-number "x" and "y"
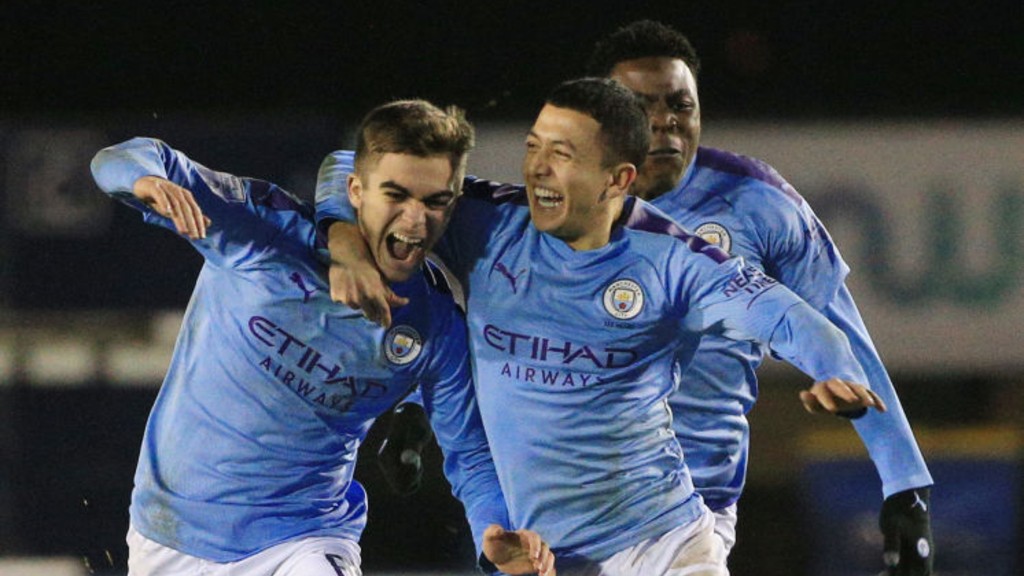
{"x": 664, "y": 152}
{"x": 402, "y": 247}
{"x": 548, "y": 198}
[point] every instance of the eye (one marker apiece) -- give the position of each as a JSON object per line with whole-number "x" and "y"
{"x": 439, "y": 202}
{"x": 682, "y": 105}
{"x": 394, "y": 195}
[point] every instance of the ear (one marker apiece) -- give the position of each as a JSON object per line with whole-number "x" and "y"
{"x": 620, "y": 179}
{"x": 355, "y": 191}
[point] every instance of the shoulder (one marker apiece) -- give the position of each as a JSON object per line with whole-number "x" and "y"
{"x": 647, "y": 225}
{"x": 742, "y": 179}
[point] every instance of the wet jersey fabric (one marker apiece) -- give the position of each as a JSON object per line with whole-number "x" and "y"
{"x": 253, "y": 438}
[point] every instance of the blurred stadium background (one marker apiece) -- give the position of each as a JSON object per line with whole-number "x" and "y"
{"x": 902, "y": 123}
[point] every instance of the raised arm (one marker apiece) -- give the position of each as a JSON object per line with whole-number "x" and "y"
{"x": 230, "y": 220}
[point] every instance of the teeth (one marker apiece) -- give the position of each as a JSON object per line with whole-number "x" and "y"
{"x": 406, "y": 239}
{"x": 547, "y": 198}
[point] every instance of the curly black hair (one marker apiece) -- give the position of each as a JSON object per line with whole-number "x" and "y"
{"x": 641, "y": 39}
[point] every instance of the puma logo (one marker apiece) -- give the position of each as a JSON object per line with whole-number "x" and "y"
{"x": 919, "y": 502}
{"x": 507, "y": 274}
{"x": 306, "y": 292}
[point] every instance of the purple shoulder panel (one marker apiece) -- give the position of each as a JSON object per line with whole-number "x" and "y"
{"x": 746, "y": 167}
{"x": 646, "y": 218}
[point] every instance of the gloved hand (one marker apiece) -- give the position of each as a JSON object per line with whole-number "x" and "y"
{"x": 906, "y": 526}
{"x": 400, "y": 456}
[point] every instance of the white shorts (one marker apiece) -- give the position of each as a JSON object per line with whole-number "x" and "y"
{"x": 725, "y": 526}
{"x": 314, "y": 556}
{"x": 690, "y": 550}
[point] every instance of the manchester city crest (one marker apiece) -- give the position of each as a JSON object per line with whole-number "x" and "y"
{"x": 624, "y": 299}
{"x": 716, "y": 234}
{"x": 402, "y": 345}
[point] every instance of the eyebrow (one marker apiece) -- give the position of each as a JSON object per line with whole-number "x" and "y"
{"x": 562, "y": 142}
{"x": 396, "y": 186}
{"x": 654, "y": 97}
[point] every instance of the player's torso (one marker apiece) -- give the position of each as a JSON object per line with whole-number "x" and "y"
{"x": 573, "y": 355}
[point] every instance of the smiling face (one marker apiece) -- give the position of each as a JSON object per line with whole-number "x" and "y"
{"x": 403, "y": 205}
{"x": 572, "y": 195}
{"x": 668, "y": 90}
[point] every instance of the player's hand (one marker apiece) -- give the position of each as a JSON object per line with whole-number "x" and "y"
{"x": 400, "y": 457}
{"x": 355, "y": 280}
{"x": 174, "y": 203}
{"x": 906, "y": 526}
{"x": 842, "y": 398}
{"x": 518, "y": 552}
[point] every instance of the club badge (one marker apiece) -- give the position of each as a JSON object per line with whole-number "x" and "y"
{"x": 402, "y": 345}
{"x": 716, "y": 234}
{"x": 624, "y": 299}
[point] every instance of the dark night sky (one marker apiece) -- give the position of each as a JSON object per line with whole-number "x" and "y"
{"x": 498, "y": 58}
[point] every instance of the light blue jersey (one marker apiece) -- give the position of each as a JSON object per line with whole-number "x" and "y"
{"x": 576, "y": 353}
{"x": 254, "y": 435}
{"x": 745, "y": 207}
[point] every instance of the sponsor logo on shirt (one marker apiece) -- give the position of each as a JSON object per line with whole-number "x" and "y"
{"x": 305, "y": 371}
{"x": 714, "y": 233}
{"x": 402, "y": 345}
{"x": 624, "y": 299}
{"x": 750, "y": 280}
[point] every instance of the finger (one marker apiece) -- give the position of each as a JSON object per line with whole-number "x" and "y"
{"x": 196, "y": 215}
{"x": 493, "y": 532}
{"x": 546, "y": 562}
{"x": 810, "y": 402}
{"x": 190, "y": 215}
{"x": 396, "y": 301}
{"x": 842, "y": 389}
{"x": 864, "y": 396}
{"x": 824, "y": 397}
{"x": 879, "y": 403}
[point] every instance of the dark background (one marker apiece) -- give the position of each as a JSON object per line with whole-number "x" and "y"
{"x": 770, "y": 59}
{"x": 241, "y": 70}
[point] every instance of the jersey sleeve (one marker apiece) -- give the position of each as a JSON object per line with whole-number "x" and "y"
{"x": 332, "y": 189}
{"x": 799, "y": 251}
{"x": 246, "y": 215}
{"x": 887, "y": 436}
{"x": 742, "y": 303}
{"x": 450, "y": 402}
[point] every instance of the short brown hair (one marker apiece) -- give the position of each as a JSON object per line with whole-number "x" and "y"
{"x": 415, "y": 127}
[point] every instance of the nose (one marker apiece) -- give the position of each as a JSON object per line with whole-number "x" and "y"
{"x": 662, "y": 118}
{"x": 536, "y": 163}
{"x": 415, "y": 214}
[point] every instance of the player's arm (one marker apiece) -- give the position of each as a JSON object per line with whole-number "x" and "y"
{"x": 742, "y": 303}
{"x": 905, "y": 518}
{"x": 802, "y": 255}
{"x": 450, "y": 403}
{"x": 216, "y": 210}
{"x": 354, "y": 278}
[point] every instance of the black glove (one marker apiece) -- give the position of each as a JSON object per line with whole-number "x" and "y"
{"x": 400, "y": 455}
{"x": 907, "y": 528}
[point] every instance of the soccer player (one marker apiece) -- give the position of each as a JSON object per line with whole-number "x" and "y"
{"x": 247, "y": 460}
{"x": 582, "y": 302}
{"x": 745, "y": 207}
